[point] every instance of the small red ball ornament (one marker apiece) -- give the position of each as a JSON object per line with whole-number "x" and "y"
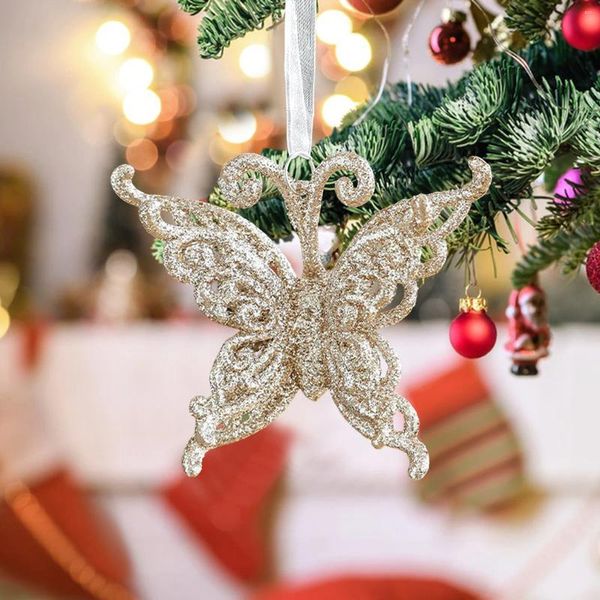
{"x": 581, "y": 25}
{"x": 592, "y": 266}
{"x": 473, "y": 334}
{"x": 373, "y": 7}
{"x": 449, "y": 42}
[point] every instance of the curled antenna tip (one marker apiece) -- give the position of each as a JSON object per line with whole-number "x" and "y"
{"x": 121, "y": 181}
{"x": 123, "y": 172}
{"x": 482, "y": 171}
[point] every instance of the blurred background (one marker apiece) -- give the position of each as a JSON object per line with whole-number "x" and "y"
{"x": 100, "y": 352}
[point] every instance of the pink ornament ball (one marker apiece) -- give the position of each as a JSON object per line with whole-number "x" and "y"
{"x": 566, "y": 188}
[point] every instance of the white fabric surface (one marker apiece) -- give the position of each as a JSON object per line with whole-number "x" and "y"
{"x": 116, "y": 400}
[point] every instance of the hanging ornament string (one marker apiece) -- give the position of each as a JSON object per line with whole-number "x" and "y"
{"x": 299, "y": 65}
{"x": 385, "y": 67}
{"x": 406, "y": 51}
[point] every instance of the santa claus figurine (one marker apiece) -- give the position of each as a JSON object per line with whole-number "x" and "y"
{"x": 529, "y": 333}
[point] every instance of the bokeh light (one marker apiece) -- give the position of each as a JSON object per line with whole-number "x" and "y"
{"x": 169, "y": 98}
{"x": 353, "y": 87}
{"x": 4, "y": 321}
{"x": 142, "y": 154}
{"x": 354, "y": 52}
{"x": 237, "y": 128}
{"x": 135, "y": 74}
{"x": 161, "y": 129}
{"x": 142, "y": 107}
{"x": 333, "y": 26}
{"x": 335, "y": 108}
{"x": 187, "y": 100}
{"x": 113, "y": 38}
{"x": 255, "y": 61}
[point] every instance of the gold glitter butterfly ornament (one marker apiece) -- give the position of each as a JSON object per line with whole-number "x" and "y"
{"x": 309, "y": 333}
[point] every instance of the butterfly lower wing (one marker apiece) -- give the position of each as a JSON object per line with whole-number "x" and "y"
{"x": 362, "y": 373}
{"x": 251, "y": 384}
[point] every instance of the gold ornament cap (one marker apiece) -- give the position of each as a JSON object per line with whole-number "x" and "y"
{"x": 469, "y": 303}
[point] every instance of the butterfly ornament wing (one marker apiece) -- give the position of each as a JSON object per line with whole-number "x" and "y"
{"x": 384, "y": 261}
{"x": 241, "y": 280}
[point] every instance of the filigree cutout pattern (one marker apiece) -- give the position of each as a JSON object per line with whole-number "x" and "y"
{"x": 309, "y": 333}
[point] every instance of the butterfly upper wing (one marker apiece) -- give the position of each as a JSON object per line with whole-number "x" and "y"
{"x": 385, "y": 255}
{"x": 239, "y": 276}
{"x": 241, "y": 280}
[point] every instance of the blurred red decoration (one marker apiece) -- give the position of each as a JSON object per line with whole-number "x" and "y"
{"x": 473, "y": 334}
{"x": 581, "y": 25}
{"x": 369, "y": 588}
{"x": 476, "y": 456}
{"x": 592, "y": 266}
{"x": 374, "y": 7}
{"x": 449, "y": 42}
{"x": 528, "y": 330}
{"x": 53, "y": 539}
{"x": 227, "y": 505}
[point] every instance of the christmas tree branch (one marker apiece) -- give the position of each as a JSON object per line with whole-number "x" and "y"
{"x": 227, "y": 20}
{"x": 566, "y": 235}
{"x": 494, "y": 112}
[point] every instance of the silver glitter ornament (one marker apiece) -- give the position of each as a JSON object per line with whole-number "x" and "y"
{"x": 309, "y": 333}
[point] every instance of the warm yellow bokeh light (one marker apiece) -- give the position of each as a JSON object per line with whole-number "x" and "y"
{"x": 354, "y": 52}
{"x": 135, "y": 74}
{"x": 354, "y": 87}
{"x": 238, "y": 128}
{"x": 4, "y": 321}
{"x": 113, "y": 37}
{"x": 335, "y": 108}
{"x": 255, "y": 61}
{"x": 333, "y": 26}
{"x": 141, "y": 107}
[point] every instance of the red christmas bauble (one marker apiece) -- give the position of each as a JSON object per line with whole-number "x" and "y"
{"x": 449, "y": 42}
{"x": 373, "y": 7}
{"x": 592, "y": 266}
{"x": 473, "y": 334}
{"x": 581, "y": 25}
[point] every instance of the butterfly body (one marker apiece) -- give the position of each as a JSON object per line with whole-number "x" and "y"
{"x": 311, "y": 333}
{"x": 307, "y": 329}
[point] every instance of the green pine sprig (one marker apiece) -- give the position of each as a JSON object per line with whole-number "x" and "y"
{"x": 531, "y": 18}
{"x": 226, "y": 20}
{"x": 566, "y": 235}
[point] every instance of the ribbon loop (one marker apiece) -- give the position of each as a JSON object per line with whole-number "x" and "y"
{"x": 300, "y": 26}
